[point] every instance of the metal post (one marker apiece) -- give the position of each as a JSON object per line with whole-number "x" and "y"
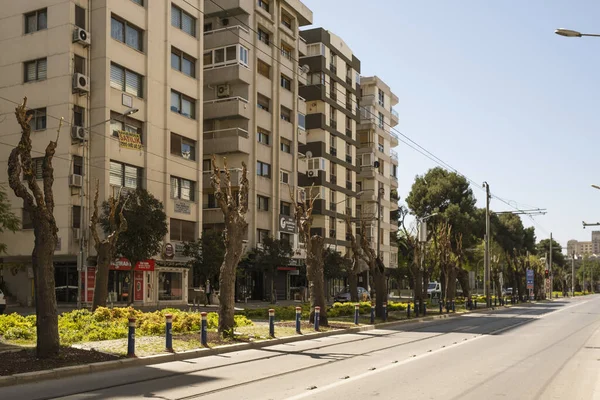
{"x": 298, "y": 316}
{"x": 408, "y": 311}
{"x": 372, "y": 313}
{"x": 131, "y": 338}
{"x": 317, "y": 317}
{"x": 204, "y": 329}
{"x": 356, "y": 309}
{"x": 550, "y": 267}
{"x": 272, "y": 322}
{"x": 384, "y": 311}
{"x": 487, "y": 244}
{"x": 169, "y": 333}
{"x": 573, "y": 274}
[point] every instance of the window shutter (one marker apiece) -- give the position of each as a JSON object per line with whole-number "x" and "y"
{"x": 131, "y": 177}
{"x": 41, "y": 69}
{"x": 175, "y": 144}
{"x": 116, "y": 30}
{"x": 186, "y": 189}
{"x": 116, "y": 174}
{"x": 174, "y": 188}
{"x": 188, "y": 24}
{"x": 175, "y": 17}
{"x": 133, "y": 83}
{"x": 37, "y": 166}
{"x": 117, "y": 77}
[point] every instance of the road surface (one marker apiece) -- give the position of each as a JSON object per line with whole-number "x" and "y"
{"x": 533, "y": 351}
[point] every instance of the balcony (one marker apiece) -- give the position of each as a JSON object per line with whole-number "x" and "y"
{"x": 394, "y": 156}
{"x": 229, "y": 107}
{"x": 394, "y": 139}
{"x": 233, "y": 140}
{"x": 236, "y": 176}
{"x": 227, "y": 36}
{"x": 302, "y": 47}
{"x": 394, "y": 181}
{"x": 231, "y": 73}
{"x": 348, "y": 159}
{"x": 395, "y": 118}
{"x": 226, "y": 8}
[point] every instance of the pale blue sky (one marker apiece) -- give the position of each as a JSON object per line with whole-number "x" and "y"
{"x": 490, "y": 89}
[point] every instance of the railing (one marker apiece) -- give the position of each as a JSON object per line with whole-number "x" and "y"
{"x": 394, "y": 135}
{"x": 223, "y": 133}
{"x": 394, "y": 154}
{"x": 226, "y": 99}
{"x": 226, "y": 64}
{"x": 229, "y": 28}
{"x": 395, "y": 113}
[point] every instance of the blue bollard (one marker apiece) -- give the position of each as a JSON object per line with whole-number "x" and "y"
{"x": 204, "y": 328}
{"x": 408, "y": 311}
{"x": 372, "y": 313}
{"x": 272, "y": 322}
{"x": 384, "y": 311}
{"x": 416, "y": 307}
{"x": 356, "y": 306}
{"x": 131, "y": 338}
{"x": 169, "y": 333}
{"x": 317, "y": 317}
{"x": 298, "y": 316}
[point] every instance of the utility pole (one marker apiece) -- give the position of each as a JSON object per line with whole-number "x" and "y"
{"x": 486, "y": 271}
{"x": 573, "y": 274}
{"x": 550, "y": 266}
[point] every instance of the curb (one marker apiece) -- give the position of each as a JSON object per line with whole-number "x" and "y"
{"x": 64, "y": 372}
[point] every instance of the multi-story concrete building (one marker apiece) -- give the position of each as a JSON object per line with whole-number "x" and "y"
{"x": 378, "y": 174}
{"x": 585, "y": 248}
{"x": 332, "y": 116}
{"x": 127, "y": 77}
{"x": 253, "y": 113}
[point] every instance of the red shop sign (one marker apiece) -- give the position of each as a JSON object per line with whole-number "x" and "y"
{"x": 124, "y": 264}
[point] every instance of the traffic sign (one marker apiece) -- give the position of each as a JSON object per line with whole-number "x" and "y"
{"x": 529, "y": 279}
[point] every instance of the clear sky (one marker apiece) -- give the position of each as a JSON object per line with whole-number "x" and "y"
{"x": 490, "y": 89}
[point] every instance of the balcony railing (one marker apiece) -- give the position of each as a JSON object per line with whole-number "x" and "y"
{"x": 229, "y": 28}
{"x": 394, "y": 155}
{"x": 226, "y": 99}
{"x": 224, "y": 133}
{"x": 394, "y": 113}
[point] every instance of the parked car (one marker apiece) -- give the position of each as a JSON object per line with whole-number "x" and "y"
{"x": 2, "y": 303}
{"x": 434, "y": 287}
{"x": 344, "y": 295}
{"x": 507, "y": 291}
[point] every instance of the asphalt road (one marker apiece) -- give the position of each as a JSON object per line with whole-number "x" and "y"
{"x": 538, "y": 351}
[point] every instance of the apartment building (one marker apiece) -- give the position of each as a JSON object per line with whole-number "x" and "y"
{"x": 581, "y": 248}
{"x": 253, "y": 113}
{"x": 127, "y": 77}
{"x": 378, "y": 174}
{"x": 332, "y": 116}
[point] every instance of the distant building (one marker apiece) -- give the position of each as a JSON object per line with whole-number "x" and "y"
{"x": 583, "y": 248}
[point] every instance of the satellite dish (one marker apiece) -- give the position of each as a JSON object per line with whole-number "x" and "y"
{"x": 305, "y": 68}
{"x": 309, "y": 154}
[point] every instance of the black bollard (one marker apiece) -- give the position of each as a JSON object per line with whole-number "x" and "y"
{"x": 408, "y": 311}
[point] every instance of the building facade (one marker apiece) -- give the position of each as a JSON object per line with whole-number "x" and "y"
{"x": 378, "y": 176}
{"x": 127, "y": 77}
{"x": 580, "y": 248}
{"x": 253, "y": 113}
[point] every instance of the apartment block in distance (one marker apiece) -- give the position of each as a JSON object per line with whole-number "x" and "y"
{"x": 127, "y": 77}
{"x": 378, "y": 165}
{"x": 331, "y": 149}
{"x": 253, "y": 113}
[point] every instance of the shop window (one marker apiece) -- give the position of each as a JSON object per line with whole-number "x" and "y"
{"x": 170, "y": 286}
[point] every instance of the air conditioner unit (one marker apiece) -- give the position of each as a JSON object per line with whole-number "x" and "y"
{"x": 75, "y": 180}
{"x": 312, "y": 173}
{"x": 222, "y": 90}
{"x": 76, "y": 233}
{"x": 81, "y": 36}
{"x": 81, "y": 83}
{"x": 79, "y": 133}
{"x": 225, "y": 21}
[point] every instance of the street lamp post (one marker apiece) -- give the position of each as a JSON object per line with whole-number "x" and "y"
{"x": 572, "y": 33}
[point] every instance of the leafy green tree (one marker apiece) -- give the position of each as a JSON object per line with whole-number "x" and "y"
{"x": 206, "y": 256}
{"x": 272, "y": 253}
{"x": 543, "y": 248}
{"x": 8, "y": 220}
{"x": 146, "y": 226}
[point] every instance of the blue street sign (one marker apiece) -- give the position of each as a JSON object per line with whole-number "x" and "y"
{"x": 529, "y": 279}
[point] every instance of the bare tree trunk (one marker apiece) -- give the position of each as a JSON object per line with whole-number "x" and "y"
{"x": 316, "y": 279}
{"x": 418, "y": 286}
{"x": 101, "y": 284}
{"x": 463, "y": 278}
{"x": 452, "y": 283}
{"x": 353, "y": 283}
{"x": 233, "y": 253}
{"x": 380, "y": 290}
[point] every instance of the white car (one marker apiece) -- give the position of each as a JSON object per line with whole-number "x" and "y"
{"x": 2, "y": 303}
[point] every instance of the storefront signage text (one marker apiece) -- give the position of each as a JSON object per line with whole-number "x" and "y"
{"x": 130, "y": 140}
{"x": 123, "y": 263}
{"x": 287, "y": 224}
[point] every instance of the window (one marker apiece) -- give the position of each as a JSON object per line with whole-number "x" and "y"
{"x": 263, "y": 169}
{"x": 261, "y": 235}
{"x": 286, "y": 20}
{"x": 212, "y": 201}
{"x": 79, "y": 64}
{"x": 333, "y": 63}
{"x": 348, "y": 153}
{"x": 125, "y": 175}
{"x": 124, "y": 32}
{"x": 332, "y": 90}
{"x": 264, "y": 4}
{"x": 36, "y": 21}
{"x": 262, "y": 203}
{"x": 224, "y": 56}
{"x": 182, "y": 20}
{"x": 35, "y": 70}
{"x": 381, "y": 97}
{"x": 332, "y": 117}
{"x": 380, "y": 120}
{"x": 131, "y": 125}
{"x": 208, "y": 27}
{"x": 284, "y": 177}
{"x": 38, "y": 119}
{"x": 140, "y": 2}
{"x": 380, "y": 168}
{"x": 285, "y": 208}
{"x": 317, "y": 78}
{"x": 76, "y": 216}
{"x": 286, "y": 82}
{"x": 332, "y": 226}
{"x": 243, "y": 55}
{"x": 182, "y": 231}
{"x": 263, "y": 136}
{"x": 332, "y": 168}
{"x": 301, "y": 121}
{"x": 78, "y": 165}
{"x": 332, "y": 147}
{"x": 287, "y": 237}
{"x": 78, "y": 116}
{"x": 286, "y": 146}
{"x": 183, "y": 105}
{"x": 126, "y": 80}
{"x": 26, "y": 221}
{"x": 263, "y": 68}
{"x": 80, "y": 17}
{"x": 36, "y": 166}
{"x": 182, "y": 189}
{"x": 286, "y": 114}
{"x": 183, "y": 62}
{"x": 286, "y": 51}
{"x": 263, "y": 102}
{"x": 206, "y": 164}
{"x": 186, "y": 148}
{"x": 263, "y": 36}
{"x": 315, "y": 49}
{"x": 316, "y": 163}
{"x": 170, "y": 285}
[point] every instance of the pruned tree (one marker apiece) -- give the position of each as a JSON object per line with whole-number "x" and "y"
{"x": 377, "y": 270}
{"x": 355, "y": 259}
{"x": 39, "y": 204}
{"x": 314, "y": 255}
{"x": 105, "y": 248}
{"x": 8, "y": 220}
{"x": 234, "y": 213}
